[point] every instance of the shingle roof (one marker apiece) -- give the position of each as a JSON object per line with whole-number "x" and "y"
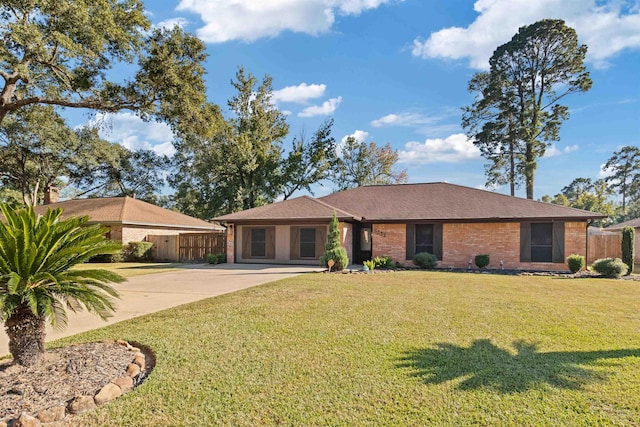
{"x": 635, "y": 223}
{"x": 299, "y": 208}
{"x": 444, "y": 201}
{"x": 127, "y": 211}
{"x": 407, "y": 202}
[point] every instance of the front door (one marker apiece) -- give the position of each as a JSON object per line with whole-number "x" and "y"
{"x": 362, "y": 243}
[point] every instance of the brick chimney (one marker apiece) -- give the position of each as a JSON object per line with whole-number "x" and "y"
{"x": 51, "y": 195}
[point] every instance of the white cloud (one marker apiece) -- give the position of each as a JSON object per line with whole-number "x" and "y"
{"x": 605, "y": 172}
{"x": 131, "y": 132}
{"x": 606, "y": 29}
{"x": 455, "y": 148}
{"x": 300, "y": 94}
{"x": 358, "y": 135}
{"x": 553, "y": 151}
{"x": 286, "y": 112}
{"x": 327, "y": 107}
{"x": 404, "y": 119}
{"x": 172, "y": 23}
{"x": 249, "y": 20}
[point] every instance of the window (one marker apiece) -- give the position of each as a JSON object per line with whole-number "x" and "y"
{"x": 307, "y": 243}
{"x": 542, "y": 242}
{"x": 258, "y": 242}
{"x": 424, "y": 238}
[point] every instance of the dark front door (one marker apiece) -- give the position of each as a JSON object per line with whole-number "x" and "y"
{"x": 362, "y": 243}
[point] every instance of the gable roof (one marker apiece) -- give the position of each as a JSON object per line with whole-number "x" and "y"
{"x": 635, "y": 223}
{"x": 127, "y": 211}
{"x": 300, "y": 208}
{"x": 413, "y": 202}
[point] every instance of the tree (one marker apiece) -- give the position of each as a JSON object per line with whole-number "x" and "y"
{"x": 38, "y": 150}
{"x": 517, "y": 112}
{"x": 227, "y": 165}
{"x": 366, "y": 164}
{"x": 584, "y": 194}
{"x": 60, "y": 53}
{"x": 309, "y": 161}
{"x": 334, "y": 251}
{"x": 36, "y": 279}
{"x": 625, "y": 177}
{"x": 576, "y": 188}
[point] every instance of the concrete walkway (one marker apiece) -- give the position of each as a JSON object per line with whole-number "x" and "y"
{"x": 154, "y": 292}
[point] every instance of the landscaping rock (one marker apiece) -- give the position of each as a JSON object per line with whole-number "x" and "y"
{"x": 50, "y": 415}
{"x": 139, "y": 360}
{"x": 26, "y": 420}
{"x": 3, "y": 424}
{"x": 81, "y": 404}
{"x": 108, "y": 393}
{"x": 133, "y": 370}
{"x": 125, "y": 383}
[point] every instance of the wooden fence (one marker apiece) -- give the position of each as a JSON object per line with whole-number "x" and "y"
{"x": 604, "y": 246}
{"x": 187, "y": 247}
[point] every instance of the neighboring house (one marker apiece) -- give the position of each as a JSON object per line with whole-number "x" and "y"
{"x": 131, "y": 219}
{"x": 453, "y": 222}
{"x": 635, "y": 223}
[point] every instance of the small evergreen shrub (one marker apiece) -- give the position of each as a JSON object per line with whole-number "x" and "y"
{"x": 575, "y": 263}
{"x": 371, "y": 265}
{"x": 216, "y": 258}
{"x": 482, "y": 260}
{"x": 383, "y": 262}
{"x": 628, "y": 247}
{"x": 333, "y": 250}
{"x": 138, "y": 251}
{"x": 425, "y": 260}
{"x": 610, "y": 267}
{"x": 109, "y": 258}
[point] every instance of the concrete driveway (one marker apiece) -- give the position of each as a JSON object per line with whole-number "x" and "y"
{"x": 154, "y": 292}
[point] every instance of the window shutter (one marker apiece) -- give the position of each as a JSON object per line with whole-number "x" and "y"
{"x": 246, "y": 242}
{"x": 437, "y": 241}
{"x": 321, "y": 240}
{"x": 270, "y": 244}
{"x": 411, "y": 241}
{"x": 525, "y": 242}
{"x": 558, "y": 242}
{"x": 294, "y": 250}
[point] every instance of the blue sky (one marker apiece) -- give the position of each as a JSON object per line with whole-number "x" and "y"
{"x": 397, "y": 71}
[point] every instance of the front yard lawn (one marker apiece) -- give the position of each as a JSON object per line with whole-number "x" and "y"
{"x": 409, "y": 348}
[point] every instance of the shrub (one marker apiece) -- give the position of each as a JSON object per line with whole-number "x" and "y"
{"x": 216, "y": 258}
{"x": 333, "y": 250}
{"x": 425, "y": 260}
{"x": 628, "y": 249}
{"x": 371, "y": 265}
{"x": 109, "y": 258}
{"x": 482, "y": 260}
{"x": 610, "y": 267}
{"x": 575, "y": 263}
{"x": 383, "y": 262}
{"x": 138, "y": 251}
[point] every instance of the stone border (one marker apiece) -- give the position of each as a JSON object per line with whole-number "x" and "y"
{"x": 139, "y": 368}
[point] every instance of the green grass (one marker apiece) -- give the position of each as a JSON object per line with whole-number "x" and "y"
{"x": 130, "y": 269}
{"x": 410, "y": 348}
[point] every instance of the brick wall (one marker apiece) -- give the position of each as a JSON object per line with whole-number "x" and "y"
{"x": 346, "y": 238}
{"x": 231, "y": 234}
{"x": 462, "y": 242}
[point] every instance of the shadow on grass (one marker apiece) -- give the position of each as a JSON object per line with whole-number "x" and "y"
{"x": 484, "y": 365}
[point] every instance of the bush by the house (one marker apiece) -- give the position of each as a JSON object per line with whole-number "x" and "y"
{"x": 425, "y": 260}
{"x": 612, "y": 268}
{"x": 109, "y": 258}
{"x": 216, "y": 258}
{"x": 333, "y": 250}
{"x": 575, "y": 263}
{"x": 138, "y": 251}
{"x": 628, "y": 247}
{"x": 383, "y": 261}
{"x": 370, "y": 265}
{"x": 482, "y": 260}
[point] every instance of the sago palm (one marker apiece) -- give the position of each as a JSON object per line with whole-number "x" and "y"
{"x": 36, "y": 280}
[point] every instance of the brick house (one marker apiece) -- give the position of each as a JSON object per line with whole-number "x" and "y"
{"x": 130, "y": 219}
{"x": 453, "y": 222}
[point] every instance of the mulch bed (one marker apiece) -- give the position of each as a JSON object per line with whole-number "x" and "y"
{"x": 66, "y": 372}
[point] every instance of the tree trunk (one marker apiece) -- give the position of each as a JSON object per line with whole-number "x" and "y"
{"x": 26, "y": 333}
{"x": 529, "y": 169}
